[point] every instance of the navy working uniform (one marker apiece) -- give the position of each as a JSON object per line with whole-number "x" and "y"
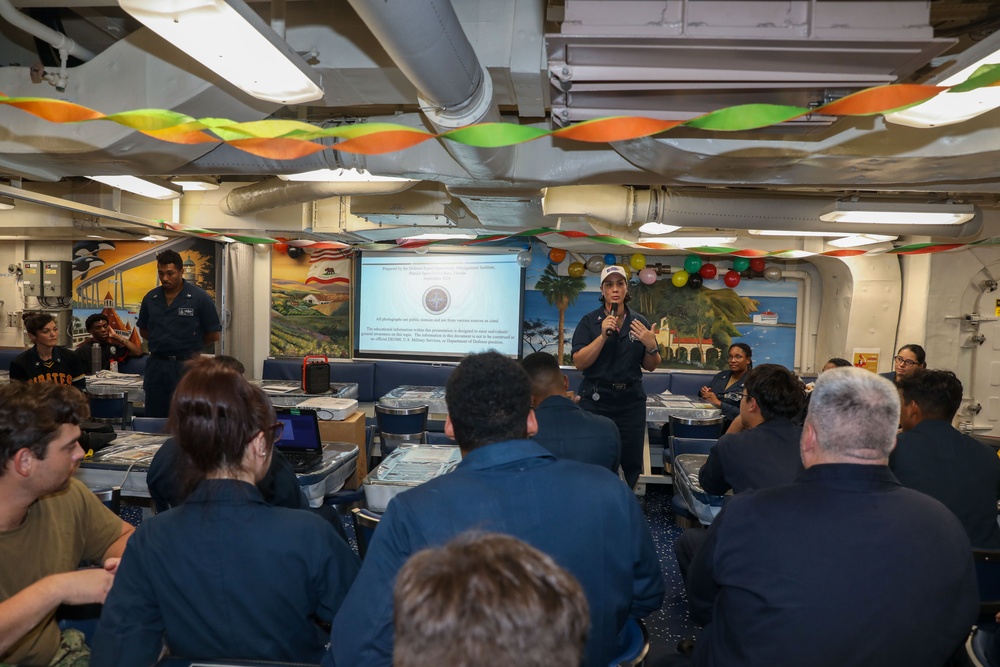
{"x": 729, "y": 398}
{"x": 583, "y": 517}
{"x": 63, "y": 368}
{"x": 612, "y": 385}
{"x": 176, "y": 334}
{"x": 225, "y": 575}
{"x": 935, "y": 458}
{"x": 843, "y": 568}
{"x": 765, "y": 456}
{"x": 570, "y": 432}
{"x": 279, "y": 486}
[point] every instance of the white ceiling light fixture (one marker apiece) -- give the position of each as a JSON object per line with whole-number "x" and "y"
{"x": 342, "y": 176}
{"x": 6, "y": 203}
{"x": 230, "y": 39}
{"x": 657, "y": 228}
{"x": 189, "y": 183}
{"x": 791, "y": 232}
{"x": 154, "y": 188}
{"x": 860, "y": 239}
{"x": 690, "y": 241}
{"x": 153, "y": 238}
{"x": 438, "y": 237}
{"x": 950, "y": 108}
{"x": 896, "y": 213}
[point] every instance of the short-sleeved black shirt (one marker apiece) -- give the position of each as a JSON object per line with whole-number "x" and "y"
{"x": 63, "y": 368}
{"x": 178, "y": 329}
{"x": 620, "y": 359}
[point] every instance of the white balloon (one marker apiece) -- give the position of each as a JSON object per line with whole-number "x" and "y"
{"x": 772, "y": 274}
{"x": 524, "y": 259}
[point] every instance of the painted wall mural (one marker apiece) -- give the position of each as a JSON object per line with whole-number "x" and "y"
{"x": 695, "y": 318}
{"x": 310, "y": 302}
{"x": 111, "y": 277}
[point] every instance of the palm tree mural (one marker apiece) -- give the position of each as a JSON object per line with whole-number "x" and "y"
{"x": 561, "y": 292}
{"x": 702, "y": 313}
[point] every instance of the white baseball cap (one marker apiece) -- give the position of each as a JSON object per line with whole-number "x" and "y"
{"x": 614, "y": 269}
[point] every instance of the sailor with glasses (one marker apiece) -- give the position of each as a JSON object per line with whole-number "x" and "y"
{"x": 909, "y": 358}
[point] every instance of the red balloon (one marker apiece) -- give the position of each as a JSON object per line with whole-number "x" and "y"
{"x": 708, "y": 271}
{"x": 732, "y": 278}
{"x": 556, "y": 255}
{"x": 757, "y": 264}
{"x": 281, "y": 247}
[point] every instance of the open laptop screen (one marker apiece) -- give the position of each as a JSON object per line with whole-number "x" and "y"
{"x": 301, "y": 431}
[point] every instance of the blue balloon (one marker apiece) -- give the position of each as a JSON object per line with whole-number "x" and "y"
{"x": 610, "y": 259}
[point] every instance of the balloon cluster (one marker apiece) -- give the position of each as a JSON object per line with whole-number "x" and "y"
{"x": 694, "y": 273}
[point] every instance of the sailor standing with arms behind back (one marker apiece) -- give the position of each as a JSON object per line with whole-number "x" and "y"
{"x": 612, "y": 346}
{"x": 178, "y": 319}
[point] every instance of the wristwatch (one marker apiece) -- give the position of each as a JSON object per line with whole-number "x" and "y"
{"x": 652, "y": 351}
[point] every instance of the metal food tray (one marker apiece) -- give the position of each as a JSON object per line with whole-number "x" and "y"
{"x": 406, "y": 467}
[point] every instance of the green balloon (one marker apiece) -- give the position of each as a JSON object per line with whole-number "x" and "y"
{"x": 741, "y": 264}
{"x": 692, "y": 264}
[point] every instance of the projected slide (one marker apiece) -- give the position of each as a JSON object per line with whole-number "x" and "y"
{"x": 438, "y": 305}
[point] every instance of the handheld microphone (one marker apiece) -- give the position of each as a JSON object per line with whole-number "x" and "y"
{"x": 614, "y": 313}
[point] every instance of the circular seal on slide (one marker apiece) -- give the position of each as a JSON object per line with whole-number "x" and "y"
{"x": 436, "y": 300}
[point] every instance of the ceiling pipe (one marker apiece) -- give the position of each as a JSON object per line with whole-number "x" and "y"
{"x": 625, "y": 207}
{"x": 427, "y": 42}
{"x": 59, "y": 41}
{"x": 274, "y": 193}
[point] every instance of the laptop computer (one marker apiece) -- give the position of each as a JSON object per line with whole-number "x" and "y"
{"x": 300, "y": 441}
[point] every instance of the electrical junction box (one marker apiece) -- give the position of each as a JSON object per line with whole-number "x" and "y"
{"x": 32, "y": 278}
{"x": 48, "y": 278}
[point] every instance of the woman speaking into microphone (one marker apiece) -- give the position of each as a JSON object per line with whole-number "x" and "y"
{"x": 612, "y": 346}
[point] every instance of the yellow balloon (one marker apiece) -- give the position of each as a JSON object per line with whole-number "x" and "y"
{"x": 679, "y": 279}
{"x": 575, "y": 269}
{"x": 628, "y": 272}
{"x": 638, "y": 261}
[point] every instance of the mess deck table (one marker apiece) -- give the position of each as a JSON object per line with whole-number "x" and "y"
{"x": 282, "y": 393}
{"x": 125, "y": 462}
{"x": 659, "y": 409}
{"x": 705, "y": 506}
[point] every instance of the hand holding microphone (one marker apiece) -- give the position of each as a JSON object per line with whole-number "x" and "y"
{"x": 614, "y": 318}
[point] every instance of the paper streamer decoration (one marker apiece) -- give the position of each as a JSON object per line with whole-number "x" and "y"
{"x": 279, "y": 139}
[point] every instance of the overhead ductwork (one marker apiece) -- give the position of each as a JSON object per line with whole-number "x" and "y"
{"x": 56, "y": 39}
{"x": 274, "y": 193}
{"x": 427, "y": 43}
{"x": 623, "y": 209}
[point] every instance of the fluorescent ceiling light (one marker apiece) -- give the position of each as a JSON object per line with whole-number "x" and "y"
{"x": 154, "y": 188}
{"x": 188, "y": 183}
{"x": 6, "y": 203}
{"x": 153, "y": 237}
{"x": 657, "y": 228}
{"x": 690, "y": 241}
{"x": 950, "y": 108}
{"x": 342, "y": 176}
{"x": 890, "y": 213}
{"x": 438, "y": 237}
{"x": 860, "y": 239}
{"x": 229, "y": 38}
{"x": 790, "y": 232}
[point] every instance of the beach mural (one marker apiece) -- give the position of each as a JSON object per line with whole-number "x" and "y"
{"x": 111, "y": 277}
{"x": 310, "y": 302}
{"x": 694, "y": 325}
